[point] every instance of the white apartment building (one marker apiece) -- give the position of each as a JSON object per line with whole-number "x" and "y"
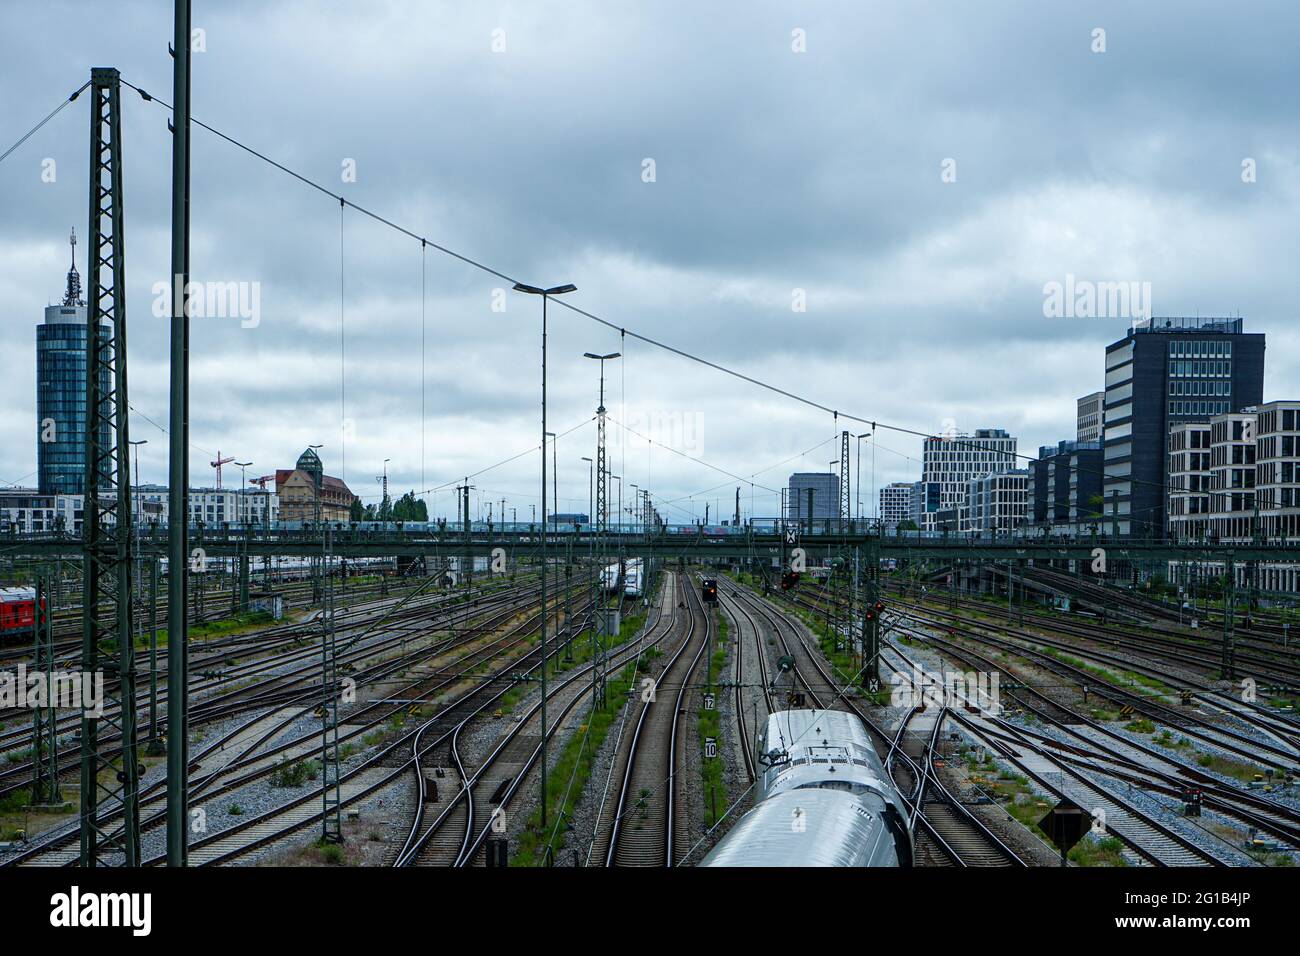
{"x": 996, "y": 504}
{"x": 1189, "y": 481}
{"x": 895, "y": 503}
{"x": 952, "y": 462}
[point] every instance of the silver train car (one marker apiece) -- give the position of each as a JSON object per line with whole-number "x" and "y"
{"x": 628, "y": 578}
{"x": 824, "y": 800}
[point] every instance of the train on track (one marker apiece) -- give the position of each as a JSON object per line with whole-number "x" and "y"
{"x": 627, "y": 578}
{"x": 824, "y": 800}
{"x": 283, "y": 568}
{"x": 17, "y": 612}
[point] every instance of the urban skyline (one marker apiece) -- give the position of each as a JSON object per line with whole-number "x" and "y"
{"x": 72, "y": 305}
{"x": 649, "y": 436}
{"x": 257, "y": 392}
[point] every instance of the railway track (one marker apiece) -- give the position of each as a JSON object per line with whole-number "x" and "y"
{"x": 450, "y": 830}
{"x": 1094, "y": 739}
{"x": 647, "y": 828}
{"x": 751, "y": 670}
{"x": 1282, "y": 754}
{"x": 942, "y": 822}
{"x": 248, "y": 685}
{"x": 255, "y": 759}
{"x": 1150, "y": 839}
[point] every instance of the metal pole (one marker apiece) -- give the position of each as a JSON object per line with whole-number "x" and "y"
{"x": 178, "y": 461}
{"x": 543, "y": 642}
{"x": 155, "y": 748}
{"x": 858, "y": 479}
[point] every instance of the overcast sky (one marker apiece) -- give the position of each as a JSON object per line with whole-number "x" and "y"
{"x": 800, "y": 150}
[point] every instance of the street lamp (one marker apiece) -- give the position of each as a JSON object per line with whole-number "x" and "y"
{"x": 545, "y": 294}
{"x": 859, "y": 475}
{"x": 243, "y": 509}
{"x": 590, "y": 485}
{"x": 555, "y": 476}
{"x": 135, "y": 448}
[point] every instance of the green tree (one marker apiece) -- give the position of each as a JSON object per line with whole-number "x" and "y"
{"x": 410, "y": 508}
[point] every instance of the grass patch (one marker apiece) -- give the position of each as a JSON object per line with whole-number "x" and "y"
{"x": 575, "y": 762}
{"x": 709, "y": 724}
{"x": 235, "y": 624}
{"x": 295, "y": 774}
{"x": 1095, "y": 850}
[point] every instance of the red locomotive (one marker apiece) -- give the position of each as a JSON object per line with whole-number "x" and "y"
{"x": 17, "y": 611}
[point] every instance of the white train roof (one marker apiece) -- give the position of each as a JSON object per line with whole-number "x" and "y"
{"x": 809, "y": 828}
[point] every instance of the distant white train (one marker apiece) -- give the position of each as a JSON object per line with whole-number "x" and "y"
{"x": 283, "y": 568}
{"x": 627, "y": 577}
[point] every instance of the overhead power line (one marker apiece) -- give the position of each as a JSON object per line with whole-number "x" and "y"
{"x": 49, "y": 116}
{"x": 955, "y": 442}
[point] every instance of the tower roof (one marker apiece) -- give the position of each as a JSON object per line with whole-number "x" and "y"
{"x": 72, "y": 296}
{"x": 309, "y": 460}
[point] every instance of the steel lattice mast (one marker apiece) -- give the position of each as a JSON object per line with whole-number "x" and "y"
{"x": 846, "y": 491}
{"x": 331, "y": 795}
{"x": 109, "y": 773}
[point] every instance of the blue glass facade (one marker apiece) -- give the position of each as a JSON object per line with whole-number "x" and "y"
{"x": 61, "y": 401}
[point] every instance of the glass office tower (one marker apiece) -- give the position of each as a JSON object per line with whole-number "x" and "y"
{"x": 61, "y": 392}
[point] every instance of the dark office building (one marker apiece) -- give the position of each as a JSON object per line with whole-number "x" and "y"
{"x": 1164, "y": 372}
{"x": 1065, "y": 482}
{"x": 61, "y": 393}
{"x": 813, "y": 494}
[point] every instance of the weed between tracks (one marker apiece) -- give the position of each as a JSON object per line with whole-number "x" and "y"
{"x": 572, "y": 768}
{"x": 709, "y": 725}
{"x": 236, "y": 624}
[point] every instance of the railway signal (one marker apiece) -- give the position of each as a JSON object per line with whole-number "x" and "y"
{"x": 1065, "y": 824}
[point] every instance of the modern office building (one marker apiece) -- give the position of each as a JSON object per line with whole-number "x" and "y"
{"x": 1166, "y": 371}
{"x": 1090, "y": 417}
{"x": 925, "y": 499}
{"x": 1231, "y": 518}
{"x": 895, "y": 504}
{"x": 996, "y": 504}
{"x": 1065, "y": 487}
{"x": 813, "y": 494}
{"x": 1189, "y": 482}
{"x": 1277, "y": 487}
{"x": 61, "y": 392}
{"x": 953, "y": 461}
{"x": 1235, "y": 480}
{"x": 26, "y": 510}
{"x": 250, "y": 506}
{"x": 1232, "y": 477}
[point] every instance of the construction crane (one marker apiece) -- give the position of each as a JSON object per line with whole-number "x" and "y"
{"x": 218, "y": 463}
